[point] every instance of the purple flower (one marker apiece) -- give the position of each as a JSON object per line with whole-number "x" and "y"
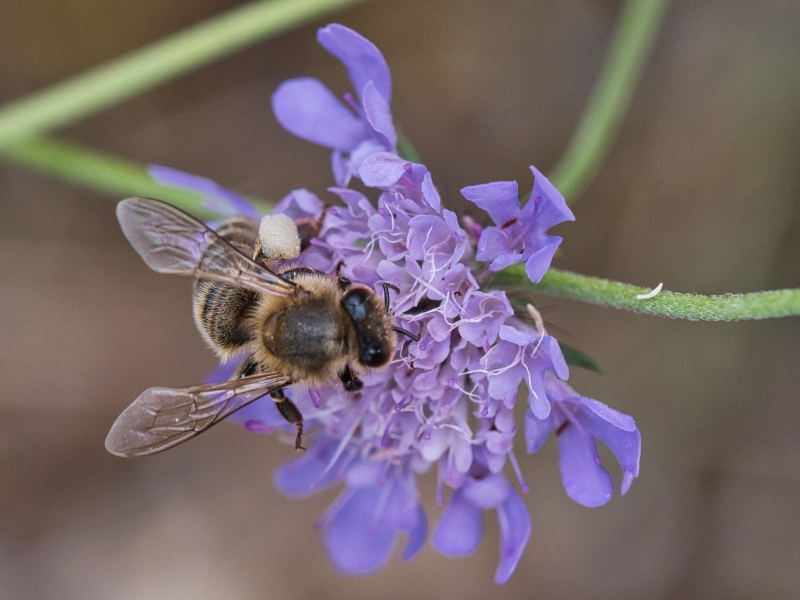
{"x": 578, "y": 422}
{"x": 361, "y": 527}
{"x": 460, "y": 529}
{"x": 355, "y": 129}
{"x": 520, "y": 234}
{"x": 215, "y": 197}
{"x": 445, "y": 403}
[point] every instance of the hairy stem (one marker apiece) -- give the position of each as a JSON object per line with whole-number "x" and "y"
{"x": 694, "y": 307}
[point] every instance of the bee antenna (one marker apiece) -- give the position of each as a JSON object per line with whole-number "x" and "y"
{"x": 386, "y": 287}
{"x": 405, "y": 332}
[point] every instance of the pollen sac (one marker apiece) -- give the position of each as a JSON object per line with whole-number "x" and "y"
{"x": 279, "y": 237}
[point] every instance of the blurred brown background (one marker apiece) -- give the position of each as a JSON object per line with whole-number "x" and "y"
{"x": 700, "y": 191}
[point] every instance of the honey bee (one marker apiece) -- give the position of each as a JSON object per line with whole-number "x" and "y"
{"x": 294, "y": 325}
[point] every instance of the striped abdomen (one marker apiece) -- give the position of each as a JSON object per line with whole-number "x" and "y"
{"x": 222, "y": 312}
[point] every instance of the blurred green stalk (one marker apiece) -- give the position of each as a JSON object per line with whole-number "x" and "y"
{"x": 633, "y": 39}
{"x": 101, "y": 172}
{"x": 143, "y": 69}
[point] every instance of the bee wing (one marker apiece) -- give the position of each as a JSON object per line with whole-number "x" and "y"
{"x": 161, "y": 418}
{"x": 171, "y": 241}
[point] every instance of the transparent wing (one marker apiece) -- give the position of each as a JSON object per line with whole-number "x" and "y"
{"x": 163, "y": 417}
{"x": 171, "y": 241}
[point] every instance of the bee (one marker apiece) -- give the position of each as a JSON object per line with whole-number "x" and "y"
{"x": 294, "y": 325}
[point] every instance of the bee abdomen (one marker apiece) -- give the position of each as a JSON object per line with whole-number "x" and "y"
{"x": 222, "y": 312}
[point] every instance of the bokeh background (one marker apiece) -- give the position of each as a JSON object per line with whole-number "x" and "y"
{"x": 700, "y": 191}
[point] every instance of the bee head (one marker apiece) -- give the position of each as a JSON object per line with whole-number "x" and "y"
{"x": 373, "y": 326}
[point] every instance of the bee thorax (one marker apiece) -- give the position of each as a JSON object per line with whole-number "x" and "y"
{"x": 306, "y": 340}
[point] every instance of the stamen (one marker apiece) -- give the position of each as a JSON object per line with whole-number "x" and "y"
{"x": 515, "y": 464}
{"x": 385, "y": 438}
{"x": 316, "y": 399}
{"x": 399, "y": 406}
{"x": 348, "y": 97}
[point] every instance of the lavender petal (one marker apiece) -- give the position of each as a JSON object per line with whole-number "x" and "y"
{"x": 515, "y": 530}
{"x": 361, "y": 58}
{"x": 355, "y": 543}
{"x": 552, "y": 208}
{"x": 500, "y": 199}
{"x": 538, "y": 262}
{"x": 379, "y": 115}
{"x": 585, "y": 480}
{"x": 460, "y": 528}
{"x": 309, "y": 110}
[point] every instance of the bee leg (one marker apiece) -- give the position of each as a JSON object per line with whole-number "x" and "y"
{"x": 249, "y": 367}
{"x": 308, "y": 229}
{"x": 350, "y": 382}
{"x": 257, "y": 251}
{"x": 291, "y": 413}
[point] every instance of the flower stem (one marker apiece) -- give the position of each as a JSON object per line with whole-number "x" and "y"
{"x": 631, "y": 44}
{"x": 138, "y": 71}
{"x": 727, "y": 307}
{"x": 99, "y": 171}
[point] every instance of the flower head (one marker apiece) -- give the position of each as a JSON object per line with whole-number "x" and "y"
{"x": 445, "y": 403}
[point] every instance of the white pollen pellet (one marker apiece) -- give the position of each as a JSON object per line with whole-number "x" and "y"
{"x": 279, "y": 237}
{"x": 651, "y": 294}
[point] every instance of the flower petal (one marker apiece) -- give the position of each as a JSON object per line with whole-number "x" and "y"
{"x": 379, "y": 114}
{"x": 353, "y": 541}
{"x": 556, "y": 359}
{"x": 309, "y": 110}
{"x": 608, "y": 414}
{"x": 537, "y": 431}
{"x": 517, "y": 337}
{"x": 552, "y": 209}
{"x": 382, "y": 169}
{"x": 492, "y": 244}
{"x": 538, "y": 262}
{"x": 515, "y": 530}
{"x": 416, "y": 536}
{"x": 361, "y": 58}
{"x": 585, "y": 480}
{"x": 460, "y": 528}
{"x": 613, "y": 429}
{"x": 299, "y": 204}
{"x": 430, "y": 193}
{"x": 488, "y": 492}
{"x": 500, "y": 199}
{"x": 304, "y": 476}
{"x": 217, "y": 198}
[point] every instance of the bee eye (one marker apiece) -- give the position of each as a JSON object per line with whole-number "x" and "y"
{"x": 354, "y": 302}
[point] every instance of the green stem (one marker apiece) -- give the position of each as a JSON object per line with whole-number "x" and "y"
{"x": 632, "y": 42}
{"x": 728, "y": 307}
{"x": 99, "y": 172}
{"x": 143, "y": 69}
